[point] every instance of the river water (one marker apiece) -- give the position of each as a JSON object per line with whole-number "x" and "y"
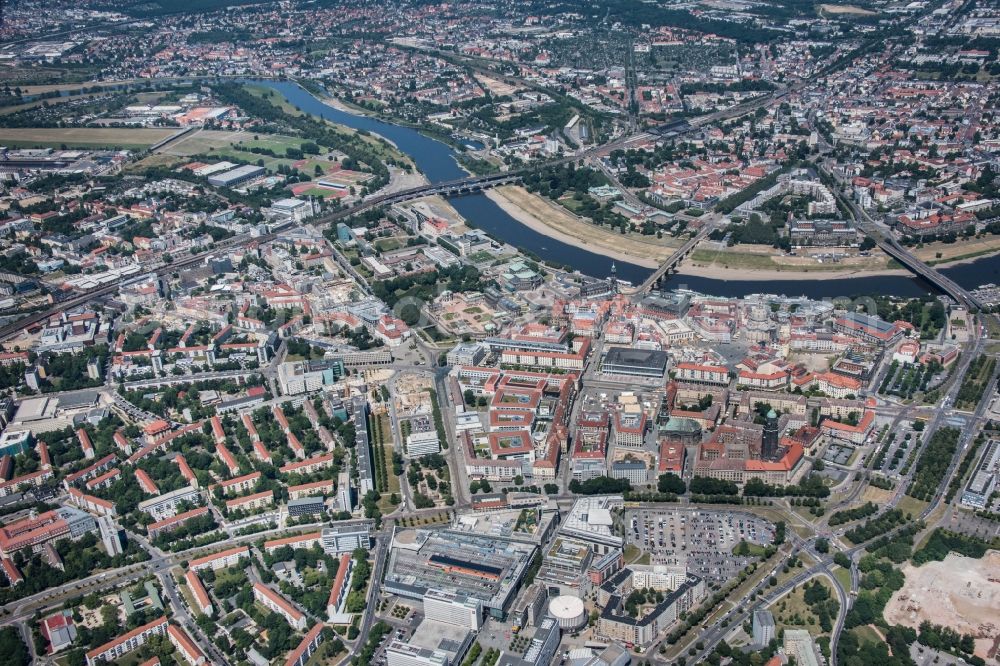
{"x": 436, "y": 160}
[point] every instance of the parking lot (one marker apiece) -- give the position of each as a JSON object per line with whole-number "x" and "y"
{"x": 967, "y": 522}
{"x": 402, "y": 630}
{"x": 898, "y": 446}
{"x": 420, "y": 423}
{"x": 702, "y": 540}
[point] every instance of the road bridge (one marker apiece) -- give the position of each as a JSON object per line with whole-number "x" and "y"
{"x": 458, "y": 187}
{"x": 928, "y": 274}
{"x": 907, "y": 259}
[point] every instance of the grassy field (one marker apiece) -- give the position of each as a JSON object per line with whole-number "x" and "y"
{"x": 153, "y": 160}
{"x": 791, "y": 611}
{"x": 221, "y": 144}
{"x": 325, "y": 656}
{"x": 868, "y": 634}
{"x": 82, "y": 137}
{"x": 384, "y": 149}
{"x": 276, "y": 99}
{"x": 939, "y": 253}
{"x": 844, "y": 577}
{"x": 877, "y": 495}
{"x": 911, "y": 505}
{"x": 757, "y": 261}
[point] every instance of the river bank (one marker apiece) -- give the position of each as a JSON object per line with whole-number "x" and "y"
{"x": 754, "y": 267}
{"x": 761, "y": 275}
{"x": 438, "y": 162}
{"x": 549, "y": 220}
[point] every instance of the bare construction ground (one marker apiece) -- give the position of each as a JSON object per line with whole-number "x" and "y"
{"x": 961, "y": 592}
{"x": 495, "y": 86}
{"x": 846, "y": 9}
{"x": 556, "y": 222}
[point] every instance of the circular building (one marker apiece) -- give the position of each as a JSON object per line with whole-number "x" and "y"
{"x": 568, "y": 611}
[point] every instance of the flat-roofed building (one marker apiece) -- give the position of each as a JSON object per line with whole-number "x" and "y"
{"x": 634, "y": 362}
{"x": 634, "y": 471}
{"x": 404, "y": 654}
{"x": 165, "y": 505}
{"x": 306, "y": 506}
{"x": 452, "y": 608}
{"x": 485, "y": 568}
{"x": 799, "y": 643}
{"x": 346, "y": 537}
{"x": 236, "y": 177}
{"x": 422, "y": 443}
{"x": 984, "y": 478}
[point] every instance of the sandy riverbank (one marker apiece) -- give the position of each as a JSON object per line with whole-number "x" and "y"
{"x": 545, "y": 218}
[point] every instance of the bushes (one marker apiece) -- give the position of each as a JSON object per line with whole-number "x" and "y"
{"x": 704, "y": 485}
{"x": 599, "y": 485}
{"x": 876, "y": 526}
{"x": 933, "y": 463}
{"x": 846, "y": 516}
{"x": 976, "y": 380}
{"x": 438, "y": 421}
{"x": 779, "y": 533}
{"x": 945, "y": 638}
{"x": 942, "y": 542}
{"x": 671, "y": 483}
{"x": 811, "y": 486}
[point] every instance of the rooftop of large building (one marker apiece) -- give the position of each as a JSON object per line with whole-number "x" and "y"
{"x": 487, "y": 568}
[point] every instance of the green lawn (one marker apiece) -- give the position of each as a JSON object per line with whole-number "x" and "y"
{"x": 866, "y": 633}
{"x": 911, "y": 505}
{"x": 791, "y": 611}
{"x": 844, "y": 577}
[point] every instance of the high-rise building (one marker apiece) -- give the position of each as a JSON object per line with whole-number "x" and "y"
{"x": 763, "y": 627}
{"x": 451, "y": 608}
{"x": 769, "y": 444}
{"x": 110, "y": 536}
